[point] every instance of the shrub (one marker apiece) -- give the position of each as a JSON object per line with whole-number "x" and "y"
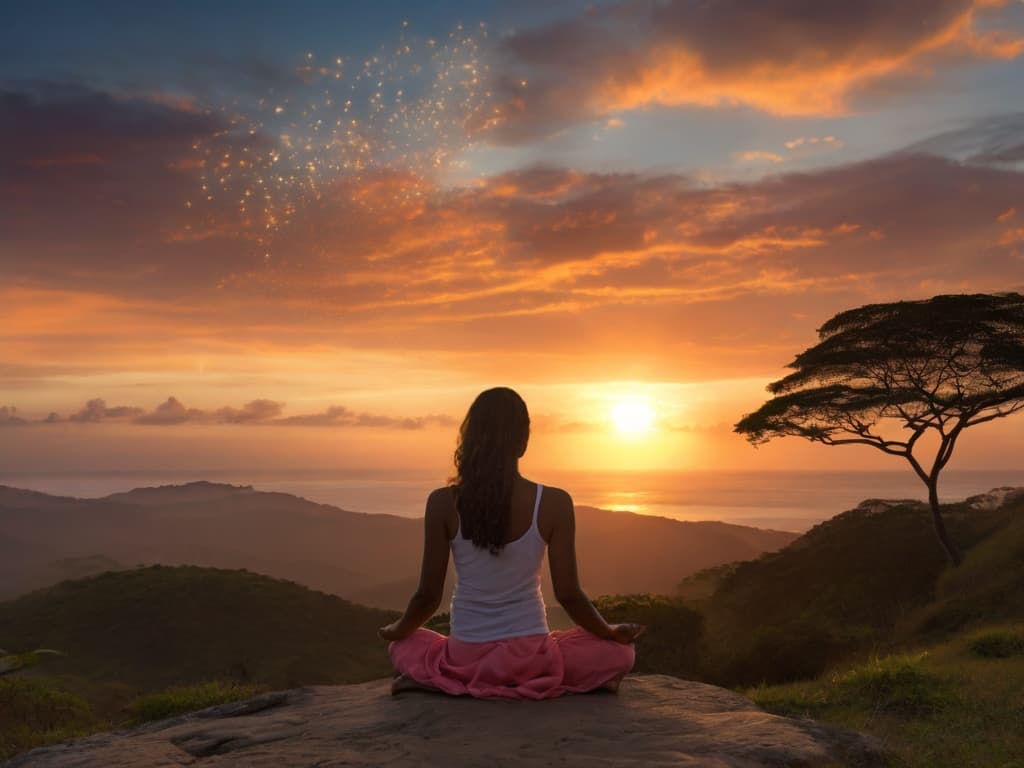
{"x": 797, "y": 651}
{"x": 998, "y": 645}
{"x": 34, "y": 712}
{"x": 672, "y": 643}
{"x": 896, "y": 685}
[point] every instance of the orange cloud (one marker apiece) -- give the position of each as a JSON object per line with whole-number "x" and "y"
{"x": 777, "y": 56}
{"x": 590, "y": 267}
{"x": 1011, "y": 236}
{"x": 805, "y": 141}
{"x": 538, "y": 244}
{"x": 753, "y": 156}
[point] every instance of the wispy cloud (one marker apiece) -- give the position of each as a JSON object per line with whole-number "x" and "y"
{"x": 172, "y": 412}
{"x": 778, "y": 56}
{"x": 997, "y": 140}
{"x": 814, "y": 141}
{"x": 97, "y": 410}
{"x": 100, "y": 175}
{"x": 760, "y": 156}
{"x": 9, "y": 417}
{"x": 339, "y": 416}
{"x": 582, "y": 263}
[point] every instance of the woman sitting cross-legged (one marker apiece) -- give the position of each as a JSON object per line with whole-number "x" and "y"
{"x": 496, "y": 524}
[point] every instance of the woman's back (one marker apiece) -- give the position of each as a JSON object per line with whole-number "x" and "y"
{"x": 498, "y": 596}
{"x": 496, "y": 525}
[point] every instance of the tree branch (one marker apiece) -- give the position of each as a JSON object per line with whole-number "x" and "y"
{"x": 877, "y": 442}
{"x": 997, "y": 414}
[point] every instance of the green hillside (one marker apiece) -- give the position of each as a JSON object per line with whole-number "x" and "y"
{"x": 159, "y": 626}
{"x": 944, "y": 688}
{"x": 151, "y": 642}
{"x": 862, "y": 623}
{"x": 861, "y": 620}
{"x": 949, "y": 704}
{"x": 857, "y": 581}
{"x": 989, "y": 586}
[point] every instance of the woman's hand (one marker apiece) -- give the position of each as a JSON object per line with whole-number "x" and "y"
{"x": 391, "y": 632}
{"x": 626, "y": 633}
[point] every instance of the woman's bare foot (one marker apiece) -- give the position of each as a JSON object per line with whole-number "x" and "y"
{"x": 404, "y": 683}
{"x": 613, "y": 684}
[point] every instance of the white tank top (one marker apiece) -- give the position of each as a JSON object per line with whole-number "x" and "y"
{"x": 498, "y": 596}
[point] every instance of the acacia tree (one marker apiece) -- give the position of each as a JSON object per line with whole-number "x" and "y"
{"x": 936, "y": 366}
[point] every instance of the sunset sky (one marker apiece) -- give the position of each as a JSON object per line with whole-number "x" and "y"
{"x": 254, "y": 234}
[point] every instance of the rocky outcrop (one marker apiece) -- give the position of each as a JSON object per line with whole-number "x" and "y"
{"x": 996, "y": 498}
{"x": 655, "y": 720}
{"x": 985, "y": 502}
{"x": 870, "y": 507}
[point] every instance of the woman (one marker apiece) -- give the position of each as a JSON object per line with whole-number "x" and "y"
{"x": 497, "y": 524}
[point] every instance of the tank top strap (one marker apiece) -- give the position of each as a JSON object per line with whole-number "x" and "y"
{"x": 536, "y": 507}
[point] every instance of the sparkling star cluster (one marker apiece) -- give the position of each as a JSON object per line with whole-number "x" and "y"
{"x": 405, "y": 112}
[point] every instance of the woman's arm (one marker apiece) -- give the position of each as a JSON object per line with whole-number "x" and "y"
{"x": 565, "y": 578}
{"x": 427, "y": 597}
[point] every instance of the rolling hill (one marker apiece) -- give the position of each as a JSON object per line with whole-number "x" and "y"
{"x": 870, "y": 578}
{"x": 868, "y": 582}
{"x": 144, "y": 640}
{"x": 147, "y": 628}
{"x": 370, "y": 559}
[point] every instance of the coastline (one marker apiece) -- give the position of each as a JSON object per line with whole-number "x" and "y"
{"x": 782, "y": 500}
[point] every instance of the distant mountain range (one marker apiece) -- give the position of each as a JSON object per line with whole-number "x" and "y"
{"x": 371, "y": 559}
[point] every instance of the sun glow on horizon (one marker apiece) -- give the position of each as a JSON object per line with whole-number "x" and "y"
{"x": 633, "y": 417}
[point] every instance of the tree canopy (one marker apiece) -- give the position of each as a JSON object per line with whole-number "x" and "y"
{"x": 936, "y": 366}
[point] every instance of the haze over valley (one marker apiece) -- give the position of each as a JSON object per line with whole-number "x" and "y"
{"x": 370, "y": 559}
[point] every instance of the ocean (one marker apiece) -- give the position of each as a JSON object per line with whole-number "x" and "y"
{"x": 783, "y": 500}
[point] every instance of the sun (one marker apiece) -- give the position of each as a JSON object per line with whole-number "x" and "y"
{"x": 633, "y": 417}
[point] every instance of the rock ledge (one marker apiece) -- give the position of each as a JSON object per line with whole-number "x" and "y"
{"x": 656, "y": 720}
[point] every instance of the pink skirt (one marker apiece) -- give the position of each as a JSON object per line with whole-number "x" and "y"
{"x": 530, "y": 667}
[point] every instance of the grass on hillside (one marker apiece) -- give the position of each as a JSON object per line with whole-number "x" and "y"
{"x": 160, "y": 626}
{"x": 35, "y": 712}
{"x": 183, "y": 699}
{"x": 841, "y": 589}
{"x": 998, "y": 644}
{"x": 987, "y": 587}
{"x": 144, "y": 644}
{"x": 949, "y": 706}
{"x": 788, "y": 615}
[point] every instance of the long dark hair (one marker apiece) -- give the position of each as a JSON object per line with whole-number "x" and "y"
{"x": 491, "y": 439}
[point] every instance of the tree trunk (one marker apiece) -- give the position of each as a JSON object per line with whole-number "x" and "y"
{"x": 940, "y": 526}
